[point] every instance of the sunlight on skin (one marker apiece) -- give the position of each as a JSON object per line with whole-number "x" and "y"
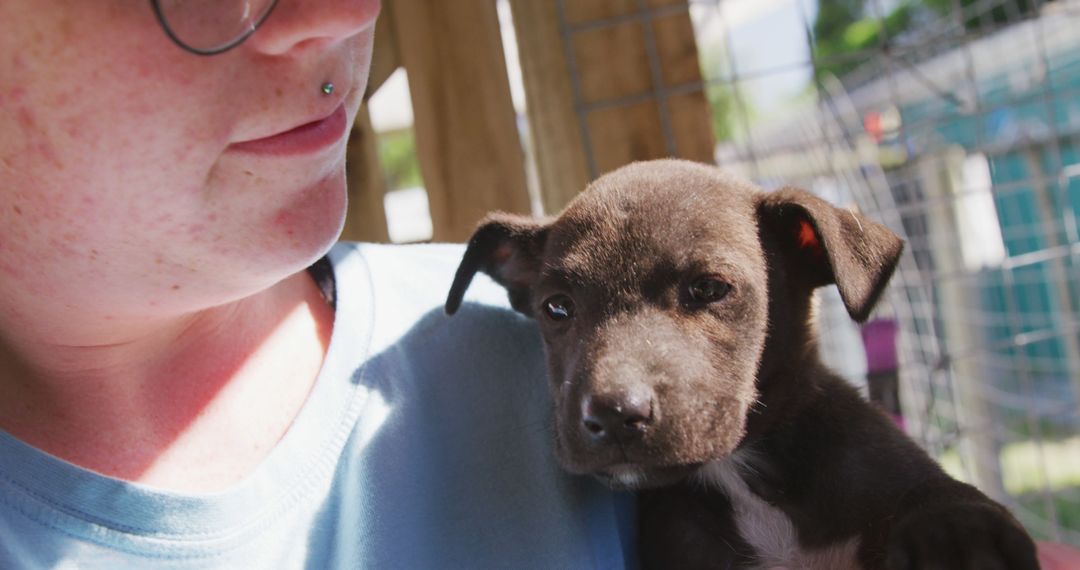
{"x": 151, "y": 435}
{"x": 300, "y": 322}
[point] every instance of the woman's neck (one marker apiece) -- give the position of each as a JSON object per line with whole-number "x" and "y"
{"x": 191, "y": 390}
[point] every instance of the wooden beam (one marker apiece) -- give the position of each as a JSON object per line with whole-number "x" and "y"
{"x": 556, "y": 134}
{"x": 624, "y": 134}
{"x": 622, "y": 111}
{"x": 585, "y": 11}
{"x": 384, "y": 58}
{"x": 366, "y": 218}
{"x": 614, "y": 64}
{"x": 689, "y": 112}
{"x": 691, "y": 122}
{"x": 467, "y": 140}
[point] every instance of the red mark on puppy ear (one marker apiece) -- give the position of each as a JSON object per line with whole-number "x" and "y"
{"x": 808, "y": 238}
{"x": 502, "y": 253}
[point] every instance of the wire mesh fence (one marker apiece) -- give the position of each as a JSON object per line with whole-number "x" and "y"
{"x": 955, "y": 123}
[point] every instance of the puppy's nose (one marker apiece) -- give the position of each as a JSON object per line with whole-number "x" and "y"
{"x": 619, "y": 416}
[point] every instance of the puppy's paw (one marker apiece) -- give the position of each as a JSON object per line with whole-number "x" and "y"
{"x": 969, "y": 536}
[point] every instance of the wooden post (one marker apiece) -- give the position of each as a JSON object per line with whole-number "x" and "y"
{"x": 384, "y": 55}
{"x": 366, "y": 218}
{"x": 940, "y": 174}
{"x": 627, "y": 87}
{"x": 553, "y": 123}
{"x": 466, "y": 134}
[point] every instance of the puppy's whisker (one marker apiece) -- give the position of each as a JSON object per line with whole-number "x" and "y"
{"x": 856, "y": 218}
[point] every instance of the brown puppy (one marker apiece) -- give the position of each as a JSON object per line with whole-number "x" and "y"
{"x": 674, "y": 303}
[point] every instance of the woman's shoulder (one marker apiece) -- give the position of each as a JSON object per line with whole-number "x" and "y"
{"x": 452, "y": 441}
{"x": 419, "y": 274}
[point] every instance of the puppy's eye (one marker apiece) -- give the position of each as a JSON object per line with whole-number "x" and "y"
{"x": 559, "y": 307}
{"x": 708, "y": 290}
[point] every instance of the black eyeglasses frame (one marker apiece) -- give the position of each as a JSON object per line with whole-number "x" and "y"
{"x": 160, "y": 15}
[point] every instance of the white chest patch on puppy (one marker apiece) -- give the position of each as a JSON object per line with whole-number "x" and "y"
{"x": 767, "y": 529}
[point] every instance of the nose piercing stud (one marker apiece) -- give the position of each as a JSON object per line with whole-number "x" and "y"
{"x": 327, "y": 88}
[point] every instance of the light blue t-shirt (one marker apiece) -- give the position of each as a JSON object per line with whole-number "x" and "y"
{"x": 425, "y": 443}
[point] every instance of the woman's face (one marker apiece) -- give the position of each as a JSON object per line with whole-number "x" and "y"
{"x": 128, "y": 181}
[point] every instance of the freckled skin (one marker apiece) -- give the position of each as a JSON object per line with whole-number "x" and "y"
{"x": 115, "y": 136}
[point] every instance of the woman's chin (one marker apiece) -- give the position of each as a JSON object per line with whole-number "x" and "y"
{"x": 311, "y": 222}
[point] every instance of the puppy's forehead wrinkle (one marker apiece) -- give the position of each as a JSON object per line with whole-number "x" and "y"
{"x": 621, "y": 230}
{"x": 560, "y": 273}
{"x": 643, "y": 261}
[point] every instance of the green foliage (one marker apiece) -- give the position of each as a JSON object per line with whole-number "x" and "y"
{"x": 1066, "y": 509}
{"x": 848, "y": 32}
{"x": 721, "y": 95}
{"x": 397, "y": 157}
{"x": 979, "y": 15}
{"x": 722, "y": 103}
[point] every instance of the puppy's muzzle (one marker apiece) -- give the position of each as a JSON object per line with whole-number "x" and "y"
{"x": 618, "y": 417}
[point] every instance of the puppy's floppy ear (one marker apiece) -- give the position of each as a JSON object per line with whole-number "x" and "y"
{"x": 825, "y": 244}
{"x": 509, "y": 249}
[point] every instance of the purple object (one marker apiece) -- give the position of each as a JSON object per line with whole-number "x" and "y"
{"x": 883, "y": 375}
{"x": 879, "y": 339}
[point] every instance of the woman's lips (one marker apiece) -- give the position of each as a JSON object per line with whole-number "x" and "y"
{"x": 308, "y": 138}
